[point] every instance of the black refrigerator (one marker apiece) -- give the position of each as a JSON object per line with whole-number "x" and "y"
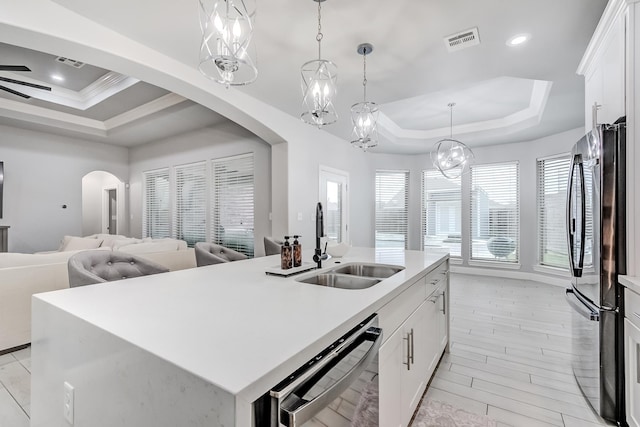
{"x": 597, "y": 255}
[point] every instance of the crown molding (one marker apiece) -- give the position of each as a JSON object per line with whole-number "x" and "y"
{"x": 44, "y": 116}
{"x": 613, "y": 10}
{"x": 516, "y": 121}
{"x": 96, "y": 92}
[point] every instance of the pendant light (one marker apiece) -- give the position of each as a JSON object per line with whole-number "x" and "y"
{"x": 450, "y": 156}
{"x": 227, "y": 30}
{"x": 319, "y": 85}
{"x": 364, "y": 115}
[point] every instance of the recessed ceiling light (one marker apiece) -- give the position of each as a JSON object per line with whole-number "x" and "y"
{"x": 518, "y": 39}
{"x": 57, "y": 77}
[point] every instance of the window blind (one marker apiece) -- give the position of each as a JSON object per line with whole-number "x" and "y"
{"x": 232, "y": 203}
{"x": 392, "y": 201}
{"x": 156, "y": 213}
{"x": 190, "y": 215}
{"x": 441, "y": 213}
{"x": 553, "y": 175}
{"x": 495, "y": 212}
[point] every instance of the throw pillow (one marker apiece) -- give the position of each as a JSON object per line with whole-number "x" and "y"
{"x": 72, "y": 243}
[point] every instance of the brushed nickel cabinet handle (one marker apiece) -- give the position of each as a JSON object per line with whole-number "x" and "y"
{"x": 444, "y": 303}
{"x": 408, "y": 362}
{"x": 412, "y": 346}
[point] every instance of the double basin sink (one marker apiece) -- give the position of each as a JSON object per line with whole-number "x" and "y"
{"x": 354, "y": 275}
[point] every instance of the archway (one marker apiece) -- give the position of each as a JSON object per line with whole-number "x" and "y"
{"x": 103, "y": 204}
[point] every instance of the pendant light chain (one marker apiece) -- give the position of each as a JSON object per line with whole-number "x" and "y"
{"x": 451, "y": 105}
{"x": 320, "y": 35}
{"x": 364, "y": 80}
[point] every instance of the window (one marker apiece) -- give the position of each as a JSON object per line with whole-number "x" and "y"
{"x": 553, "y": 175}
{"x": 232, "y": 203}
{"x": 155, "y": 220}
{"x": 190, "y": 216}
{"x": 392, "y": 188}
{"x": 441, "y": 211}
{"x": 495, "y": 212}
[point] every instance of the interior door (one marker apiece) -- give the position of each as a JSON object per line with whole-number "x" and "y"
{"x": 334, "y": 196}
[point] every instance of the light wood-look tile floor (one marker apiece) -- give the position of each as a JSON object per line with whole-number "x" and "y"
{"x": 509, "y": 358}
{"x": 510, "y": 354}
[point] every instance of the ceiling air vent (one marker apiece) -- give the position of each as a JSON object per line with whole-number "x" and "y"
{"x": 70, "y": 62}
{"x": 462, "y": 40}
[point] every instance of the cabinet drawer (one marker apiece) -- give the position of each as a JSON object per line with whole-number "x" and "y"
{"x": 632, "y": 307}
{"x": 396, "y": 311}
{"x": 434, "y": 279}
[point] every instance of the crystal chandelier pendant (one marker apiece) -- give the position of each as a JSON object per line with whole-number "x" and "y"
{"x": 226, "y": 50}
{"x": 450, "y": 156}
{"x": 364, "y": 115}
{"x": 319, "y": 86}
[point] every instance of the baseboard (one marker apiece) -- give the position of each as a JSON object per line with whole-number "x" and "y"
{"x": 510, "y": 274}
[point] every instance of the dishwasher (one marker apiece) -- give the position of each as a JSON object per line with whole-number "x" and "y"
{"x": 336, "y": 388}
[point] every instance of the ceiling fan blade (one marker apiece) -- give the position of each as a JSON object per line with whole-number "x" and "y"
{"x": 14, "y": 68}
{"x": 18, "y": 82}
{"x": 15, "y": 92}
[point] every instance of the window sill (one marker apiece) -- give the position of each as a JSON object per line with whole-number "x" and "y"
{"x": 556, "y": 271}
{"x": 495, "y": 264}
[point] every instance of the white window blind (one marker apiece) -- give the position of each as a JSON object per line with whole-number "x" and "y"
{"x": 232, "y": 203}
{"x": 441, "y": 219}
{"x": 392, "y": 201}
{"x": 495, "y": 212}
{"x": 190, "y": 214}
{"x": 553, "y": 175}
{"x": 156, "y": 213}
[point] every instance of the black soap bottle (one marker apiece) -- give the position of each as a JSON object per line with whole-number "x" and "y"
{"x": 297, "y": 252}
{"x": 285, "y": 255}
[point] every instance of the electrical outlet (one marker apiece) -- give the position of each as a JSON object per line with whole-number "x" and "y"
{"x": 68, "y": 402}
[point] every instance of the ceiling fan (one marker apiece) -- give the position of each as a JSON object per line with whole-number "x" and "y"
{"x": 18, "y": 82}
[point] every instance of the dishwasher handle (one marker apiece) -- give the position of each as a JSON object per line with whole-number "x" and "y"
{"x": 581, "y": 307}
{"x": 295, "y": 410}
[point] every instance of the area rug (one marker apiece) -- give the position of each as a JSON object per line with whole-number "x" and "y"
{"x": 433, "y": 413}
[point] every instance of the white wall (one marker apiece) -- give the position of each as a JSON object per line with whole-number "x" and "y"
{"x": 223, "y": 140}
{"x": 43, "y": 172}
{"x": 307, "y": 154}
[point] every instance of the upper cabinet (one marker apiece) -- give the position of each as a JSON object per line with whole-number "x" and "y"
{"x": 604, "y": 68}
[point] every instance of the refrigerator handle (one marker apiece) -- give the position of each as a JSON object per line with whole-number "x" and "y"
{"x": 576, "y": 271}
{"x": 580, "y": 307}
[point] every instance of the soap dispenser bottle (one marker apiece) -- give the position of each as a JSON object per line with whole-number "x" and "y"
{"x": 297, "y": 252}
{"x": 285, "y": 255}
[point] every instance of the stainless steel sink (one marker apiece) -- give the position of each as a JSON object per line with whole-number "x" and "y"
{"x": 341, "y": 281}
{"x": 380, "y": 271}
{"x": 355, "y": 275}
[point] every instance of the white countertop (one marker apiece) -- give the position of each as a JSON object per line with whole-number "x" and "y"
{"x": 233, "y": 325}
{"x": 630, "y": 282}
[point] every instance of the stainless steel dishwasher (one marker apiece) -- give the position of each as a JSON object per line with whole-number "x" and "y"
{"x": 336, "y": 388}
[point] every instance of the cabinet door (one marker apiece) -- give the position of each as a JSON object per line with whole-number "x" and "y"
{"x": 605, "y": 82}
{"x": 418, "y": 353}
{"x": 390, "y": 367}
{"x": 632, "y": 351}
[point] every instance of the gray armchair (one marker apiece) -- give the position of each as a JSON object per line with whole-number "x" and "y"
{"x": 90, "y": 267}
{"x": 211, "y": 253}
{"x": 272, "y": 246}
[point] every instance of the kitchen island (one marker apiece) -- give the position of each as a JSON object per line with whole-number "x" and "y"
{"x": 196, "y": 347}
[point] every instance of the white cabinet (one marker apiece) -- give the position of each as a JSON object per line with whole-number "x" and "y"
{"x": 409, "y": 356}
{"x": 632, "y": 356}
{"x": 603, "y": 67}
{"x": 404, "y": 358}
